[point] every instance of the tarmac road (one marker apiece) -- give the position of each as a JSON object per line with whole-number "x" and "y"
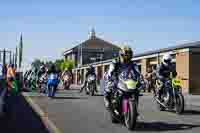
{"x": 72, "y": 112}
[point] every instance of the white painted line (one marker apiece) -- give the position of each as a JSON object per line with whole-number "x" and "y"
{"x": 43, "y": 116}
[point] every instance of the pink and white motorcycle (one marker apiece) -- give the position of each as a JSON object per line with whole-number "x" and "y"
{"x": 67, "y": 81}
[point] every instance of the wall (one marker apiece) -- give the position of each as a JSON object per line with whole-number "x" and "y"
{"x": 144, "y": 66}
{"x": 182, "y": 68}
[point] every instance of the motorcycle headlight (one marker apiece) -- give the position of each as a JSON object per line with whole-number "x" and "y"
{"x": 92, "y": 78}
{"x": 131, "y": 84}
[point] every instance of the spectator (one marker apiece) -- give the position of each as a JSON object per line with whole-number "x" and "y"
{"x": 10, "y": 75}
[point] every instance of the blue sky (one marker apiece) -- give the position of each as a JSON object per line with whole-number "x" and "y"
{"x": 51, "y": 26}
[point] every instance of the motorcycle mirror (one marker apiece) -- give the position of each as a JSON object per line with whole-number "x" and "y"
{"x": 174, "y": 74}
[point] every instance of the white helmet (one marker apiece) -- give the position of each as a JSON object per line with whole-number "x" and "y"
{"x": 167, "y": 59}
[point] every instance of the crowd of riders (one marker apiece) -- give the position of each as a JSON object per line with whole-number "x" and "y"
{"x": 157, "y": 74}
{"x": 34, "y": 78}
{"x": 122, "y": 83}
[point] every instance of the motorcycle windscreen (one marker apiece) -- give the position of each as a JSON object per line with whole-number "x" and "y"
{"x": 66, "y": 77}
{"x": 131, "y": 84}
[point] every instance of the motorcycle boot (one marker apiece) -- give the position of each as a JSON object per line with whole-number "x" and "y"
{"x": 84, "y": 86}
{"x": 160, "y": 93}
{"x": 107, "y": 102}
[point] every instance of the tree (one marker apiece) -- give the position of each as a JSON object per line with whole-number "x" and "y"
{"x": 37, "y": 63}
{"x": 67, "y": 64}
{"x": 48, "y": 64}
{"x": 58, "y": 64}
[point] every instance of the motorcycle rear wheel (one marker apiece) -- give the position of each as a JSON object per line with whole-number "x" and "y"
{"x": 160, "y": 107}
{"x": 179, "y": 107}
{"x": 91, "y": 90}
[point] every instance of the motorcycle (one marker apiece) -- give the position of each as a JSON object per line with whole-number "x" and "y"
{"x": 91, "y": 85}
{"x": 43, "y": 83}
{"x": 52, "y": 84}
{"x": 124, "y": 102}
{"x": 172, "y": 97}
{"x": 67, "y": 79}
{"x": 30, "y": 82}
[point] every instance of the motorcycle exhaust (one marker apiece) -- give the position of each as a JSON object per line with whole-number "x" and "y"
{"x": 161, "y": 103}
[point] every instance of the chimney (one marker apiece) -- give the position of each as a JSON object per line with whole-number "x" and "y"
{"x": 93, "y": 34}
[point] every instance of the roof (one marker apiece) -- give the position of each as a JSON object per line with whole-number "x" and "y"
{"x": 181, "y": 46}
{"x": 97, "y": 41}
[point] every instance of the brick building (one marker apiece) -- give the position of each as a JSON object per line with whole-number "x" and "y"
{"x": 185, "y": 58}
{"x": 92, "y": 50}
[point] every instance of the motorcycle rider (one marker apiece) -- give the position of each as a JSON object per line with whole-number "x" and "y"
{"x": 153, "y": 76}
{"x": 90, "y": 71}
{"x": 67, "y": 71}
{"x": 163, "y": 72}
{"x": 123, "y": 63}
{"x": 53, "y": 70}
{"x": 40, "y": 73}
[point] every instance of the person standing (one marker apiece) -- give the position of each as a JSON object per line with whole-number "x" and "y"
{"x": 11, "y": 73}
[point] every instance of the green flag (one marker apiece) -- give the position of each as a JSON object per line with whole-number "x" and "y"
{"x": 14, "y": 89}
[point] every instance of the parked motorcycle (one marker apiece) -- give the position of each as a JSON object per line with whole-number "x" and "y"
{"x": 91, "y": 85}
{"x": 124, "y": 102}
{"x": 52, "y": 84}
{"x": 172, "y": 97}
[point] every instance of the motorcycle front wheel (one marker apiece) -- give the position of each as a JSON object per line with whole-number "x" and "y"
{"x": 91, "y": 89}
{"x": 131, "y": 116}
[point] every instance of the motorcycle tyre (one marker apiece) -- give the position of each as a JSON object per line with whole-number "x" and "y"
{"x": 132, "y": 109}
{"x": 179, "y": 109}
{"x": 91, "y": 90}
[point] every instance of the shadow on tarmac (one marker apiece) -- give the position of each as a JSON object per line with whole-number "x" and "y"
{"x": 20, "y": 118}
{"x": 191, "y": 112}
{"x": 98, "y": 94}
{"x": 162, "y": 126}
{"x": 70, "y": 98}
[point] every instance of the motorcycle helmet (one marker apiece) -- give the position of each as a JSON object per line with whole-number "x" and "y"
{"x": 125, "y": 54}
{"x": 42, "y": 68}
{"x": 166, "y": 60}
{"x": 91, "y": 68}
{"x": 11, "y": 65}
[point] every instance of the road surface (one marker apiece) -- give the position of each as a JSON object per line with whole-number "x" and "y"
{"x": 74, "y": 113}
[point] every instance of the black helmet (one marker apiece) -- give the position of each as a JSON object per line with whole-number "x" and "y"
{"x": 52, "y": 68}
{"x": 91, "y": 68}
{"x": 11, "y": 65}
